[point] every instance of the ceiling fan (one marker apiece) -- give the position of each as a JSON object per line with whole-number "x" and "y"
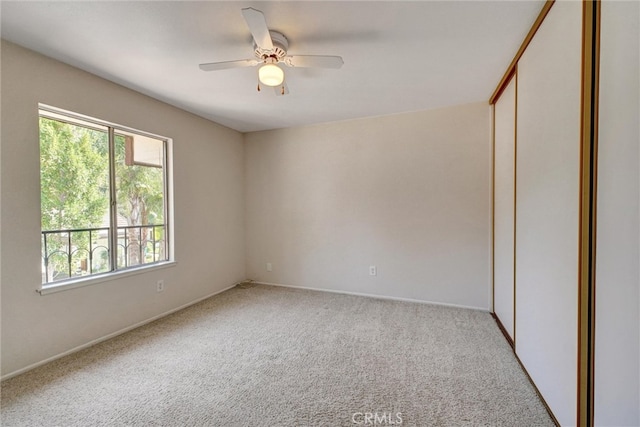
{"x": 270, "y": 49}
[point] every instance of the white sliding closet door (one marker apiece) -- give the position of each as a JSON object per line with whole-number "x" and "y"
{"x": 547, "y": 207}
{"x": 617, "y": 358}
{"x": 504, "y": 199}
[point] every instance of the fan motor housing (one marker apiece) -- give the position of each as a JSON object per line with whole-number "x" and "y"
{"x": 280, "y": 46}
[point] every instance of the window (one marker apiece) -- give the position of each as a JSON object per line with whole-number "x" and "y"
{"x": 104, "y": 203}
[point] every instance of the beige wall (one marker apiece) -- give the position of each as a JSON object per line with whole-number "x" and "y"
{"x": 209, "y": 212}
{"x": 408, "y": 193}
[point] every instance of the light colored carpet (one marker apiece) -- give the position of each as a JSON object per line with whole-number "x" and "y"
{"x": 266, "y": 356}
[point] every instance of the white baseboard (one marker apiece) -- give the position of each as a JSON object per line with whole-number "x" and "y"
{"x": 360, "y": 294}
{"x": 111, "y": 335}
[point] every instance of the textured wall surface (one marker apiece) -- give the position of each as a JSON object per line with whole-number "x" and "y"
{"x": 408, "y": 193}
{"x": 209, "y": 211}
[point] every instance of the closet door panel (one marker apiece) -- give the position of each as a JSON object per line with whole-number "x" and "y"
{"x": 547, "y": 207}
{"x": 617, "y": 342}
{"x": 504, "y": 152}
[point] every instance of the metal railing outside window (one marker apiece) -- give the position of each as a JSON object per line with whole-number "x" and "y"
{"x": 85, "y": 251}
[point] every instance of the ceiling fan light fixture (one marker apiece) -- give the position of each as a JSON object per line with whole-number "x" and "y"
{"x": 271, "y": 75}
{"x": 270, "y": 49}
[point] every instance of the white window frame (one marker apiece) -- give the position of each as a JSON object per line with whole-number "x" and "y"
{"x": 118, "y": 273}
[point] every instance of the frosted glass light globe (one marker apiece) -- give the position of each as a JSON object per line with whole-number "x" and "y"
{"x": 271, "y": 75}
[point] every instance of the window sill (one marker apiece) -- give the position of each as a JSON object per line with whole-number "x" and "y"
{"x": 107, "y": 277}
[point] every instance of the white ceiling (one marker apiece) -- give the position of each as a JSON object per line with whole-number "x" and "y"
{"x": 399, "y": 56}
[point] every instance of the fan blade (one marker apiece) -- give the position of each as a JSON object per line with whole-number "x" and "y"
{"x": 318, "y": 61}
{"x": 214, "y": 66}
{"x": 258, "y": 26}
{"x": 283, "y": 89}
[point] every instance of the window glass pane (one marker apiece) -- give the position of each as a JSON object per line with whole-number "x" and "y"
{"x": 74, "y": 176}
{"x": 140, "y": 199}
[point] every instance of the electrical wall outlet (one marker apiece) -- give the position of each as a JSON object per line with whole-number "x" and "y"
{"x": 269, "y": 267}
{"x": 373, "y": 271}
{"x": 160, "y": 286}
